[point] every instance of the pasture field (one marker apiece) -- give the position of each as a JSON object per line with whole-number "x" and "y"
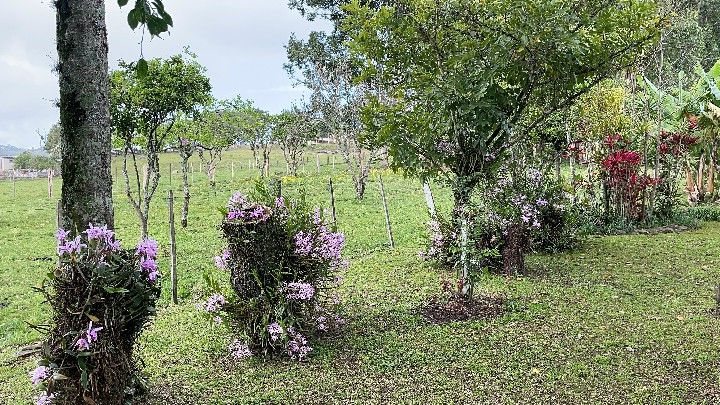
{"x": 623, "y": 319}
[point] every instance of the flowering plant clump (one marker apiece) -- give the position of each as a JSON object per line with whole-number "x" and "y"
{"x": 624, "y": 185}
{"x": 283, "y": 262}
{"x": 102, "y": 296}
{"x": 522, "y": 205}
{"x": 442, "y": 245}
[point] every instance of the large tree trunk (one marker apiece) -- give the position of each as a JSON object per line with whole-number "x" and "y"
{"x": 87, "y": 188}
{"x": 84, "y": 114}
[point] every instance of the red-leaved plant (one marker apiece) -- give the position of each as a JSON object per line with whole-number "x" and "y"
{"x": 625, "y": 187}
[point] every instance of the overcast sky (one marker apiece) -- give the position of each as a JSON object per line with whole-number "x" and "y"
{"x": 241, "y": 42}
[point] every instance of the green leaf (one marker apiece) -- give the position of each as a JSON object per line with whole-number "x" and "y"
{"x": 115, "y": 290}
{"x": 133, "y": 18}
{"x": 122, "y": 3}
{"x": 166, "y": 17}
{"x": 156, "y": 26}
{"x": 142, "y": 68}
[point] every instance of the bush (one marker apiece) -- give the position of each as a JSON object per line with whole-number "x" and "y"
{"x": 283, "y": 262}
{"x": 525, "y": 206}
{"x": 704, "y": 212}
{"x": 101, "y": 297}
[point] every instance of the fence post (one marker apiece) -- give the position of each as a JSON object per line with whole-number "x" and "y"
{"x": 429, "y": 200}
{"x": 173, "y": 247}
{"x": 387, "y": 213}
{"x": 332, "y": 203}
{"x": 170, "y": 170}
{"x": 50, "y": 183}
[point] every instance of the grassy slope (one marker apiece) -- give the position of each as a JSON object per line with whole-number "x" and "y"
{"x": 621, "y": 320}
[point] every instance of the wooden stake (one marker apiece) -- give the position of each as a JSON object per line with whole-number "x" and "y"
{"x": 173, "y": 247}
{"x": 429, "y": 200}
{"x": 387, "y": 214}
{"x": 50, "y": 183}
{"x": 170, "y": 170}
{"x": 332, "y": 203}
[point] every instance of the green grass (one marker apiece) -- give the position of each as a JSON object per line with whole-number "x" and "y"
{"x": 622, "y": 320}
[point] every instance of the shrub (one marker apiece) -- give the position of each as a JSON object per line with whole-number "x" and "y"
{"x": 283, "y": 262}
{"x": 101, "y": 297}
{"x": 524, "y": 206}
{"x": 624, "y": 186}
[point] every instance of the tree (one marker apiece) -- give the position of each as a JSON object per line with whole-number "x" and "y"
{"x": 466, "y": 80}
{"x": 324, "y": 66}
{"x": 85, "y": 141}
{"x": 144, "y": 111}
{"x": 183, "y": 141}
{"x": 253, "y": 127}
{"x": 217, "y": 128}
{"x": 22, "y": 161}
{"x": 51, "y": 142}
{"x": 292, "y": 131}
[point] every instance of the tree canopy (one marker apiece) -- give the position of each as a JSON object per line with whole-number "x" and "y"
{"x": 466, "y": 79}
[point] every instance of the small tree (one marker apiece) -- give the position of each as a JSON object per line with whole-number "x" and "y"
{"x": 144, "y": 111}
{"x": 215, "y": 131}
{"x": 51, "y": 142}
{"x": 463, "y": 81}
{"x": 183, "y": 141}
{"x": 292, "y": 131}
{"x": 22, "y": 161}
{"x": 252, "y": 126}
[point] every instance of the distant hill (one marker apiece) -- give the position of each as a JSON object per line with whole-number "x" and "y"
{"x": 9, "y": 150}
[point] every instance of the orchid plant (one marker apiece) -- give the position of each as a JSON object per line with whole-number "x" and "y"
{"x": 284, "y": 262}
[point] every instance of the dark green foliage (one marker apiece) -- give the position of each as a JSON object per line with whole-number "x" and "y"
{"x": 152, "y": 14}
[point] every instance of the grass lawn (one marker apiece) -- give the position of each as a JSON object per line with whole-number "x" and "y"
{"x": 624, "y": 319}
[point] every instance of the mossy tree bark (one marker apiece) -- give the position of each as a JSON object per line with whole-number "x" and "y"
{"x": 84, "y": 114}
{"x": 86, "y": 191}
